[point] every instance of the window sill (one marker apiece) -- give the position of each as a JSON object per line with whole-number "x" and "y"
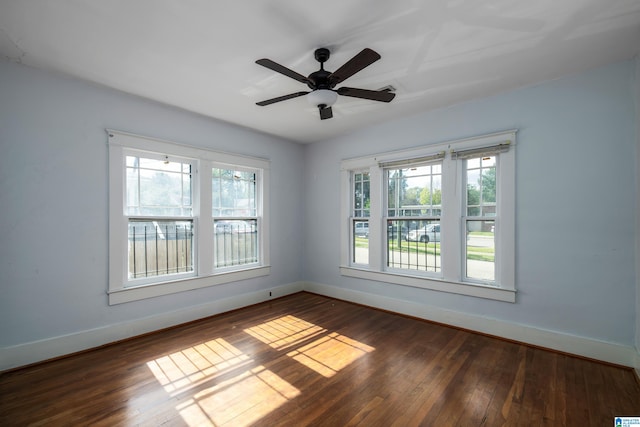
{"x": 136, "y": 293}
{"x": 479, "y": 291}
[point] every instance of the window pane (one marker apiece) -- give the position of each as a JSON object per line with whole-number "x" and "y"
{"x": 473, "y": 163}
{"x": 236, "y": 242}
{"x": 133, "y": 200}
{"x": 158, "y": 188}
{"x": 216, "y": 198}
{"x": 360, "y": 254}
{"x": 473, "y": 211}
{"x": 361, "y": 199}
{"x": 481, "y": 186}
{"x": 186, "y": 186}
{"x": 161, "y": 165}
{"x": 489, "y": 185}
{"x": 159, "y": 248}
{"x": 358, "y": 197}
{"x": 480, "y": 251}
{"x": 414, "y": 245}
{"x": 233, "y": 193}
{"x": 415, "y": 191}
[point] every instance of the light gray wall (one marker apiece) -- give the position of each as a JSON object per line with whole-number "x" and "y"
{"x": 637, "y": 105}
{"x": 576, "y": 201}
{"x": 54, "y": 205}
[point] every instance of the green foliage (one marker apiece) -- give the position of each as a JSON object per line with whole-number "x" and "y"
{"x": 489, "y": 185}
{"x": 473, "y": 195}
{"x": 428, "y": 197}
{"x": 411, "y": 196}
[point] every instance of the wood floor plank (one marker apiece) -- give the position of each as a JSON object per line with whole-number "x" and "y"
{"x": 308, "y": 360}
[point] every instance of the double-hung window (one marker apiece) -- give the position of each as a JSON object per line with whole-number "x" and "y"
{"x": 235, "y": 216}
{"x": 479, "y": 215}
{"x": 159, "y": 213}
{"x": 360, "y": 217}
{"x": 182, "y": 218}
{"x": 413, "y": 209}
{"x": 439, "y": 217}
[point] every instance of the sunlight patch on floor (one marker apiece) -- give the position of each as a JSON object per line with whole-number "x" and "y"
{"x": 189, "y": 366}
{"x": 324, "y": 352}
{"x": 218, "y": 384}
{"x": 239, "y": 401}
{"x": 329, "y": 354}
{"x": 284, "y": 332}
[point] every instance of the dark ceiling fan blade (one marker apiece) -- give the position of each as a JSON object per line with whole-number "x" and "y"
{"x": 282, "y": 70}
{"x": 281, "y": 98}
{"x": 374, "y": 95}
{"x": 325, "y": 113}
{"x": 362, "y": 60}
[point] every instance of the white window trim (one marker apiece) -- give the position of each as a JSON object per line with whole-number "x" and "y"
{"x": 452, "y": 282}
{"x": 120, "y": 289}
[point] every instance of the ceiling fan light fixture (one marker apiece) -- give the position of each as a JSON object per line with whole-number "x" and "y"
{"x": 324, "y": 97}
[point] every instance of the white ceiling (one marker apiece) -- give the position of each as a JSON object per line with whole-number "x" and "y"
{"x": 199, "y": 54}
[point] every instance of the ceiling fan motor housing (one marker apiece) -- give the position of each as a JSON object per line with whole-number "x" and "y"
{"x": 322, "y": 54}
{"x": 320, "y": 79}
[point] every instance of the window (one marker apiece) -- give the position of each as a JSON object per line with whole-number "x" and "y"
{"x": 159, "y": 211}
{"x": 235, "y": 219}
{"x": 360, "y": 218}
{"x": 480, "y": 211}
{"x": 414, "y": 206}
{"x": 182, "y": 218}
{"x": 444, "y": 220}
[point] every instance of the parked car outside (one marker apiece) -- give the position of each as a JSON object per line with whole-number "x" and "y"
{"x": 425, "y": 234}
{"x": 362, "y": 229}
{"x": 392, "y": 232}
{"x": 235, "y": 227}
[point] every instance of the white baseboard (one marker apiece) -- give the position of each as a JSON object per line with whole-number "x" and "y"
{"x": 37, "y": 351}
{"x": 572, "y": 344}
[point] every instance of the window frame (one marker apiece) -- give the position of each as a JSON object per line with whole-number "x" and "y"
{"x": 452, "y": 218}
{"x": 120, "y": 288}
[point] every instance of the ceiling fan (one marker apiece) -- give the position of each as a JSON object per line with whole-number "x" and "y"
{"x": 322, "y": 82}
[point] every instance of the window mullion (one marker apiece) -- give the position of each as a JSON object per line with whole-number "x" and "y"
{"x": 376, "y": 216}
{"x": 451, "y": 247}
{"x": 262, "y": 200}
{"x": 203, "y": 217}
{"x": 117, "y": 221}
{"x": 505, "y": 230}
{"x": 346, "y": 211}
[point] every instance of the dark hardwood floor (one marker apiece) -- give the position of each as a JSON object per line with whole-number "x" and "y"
{"x": 310, "y": 360}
